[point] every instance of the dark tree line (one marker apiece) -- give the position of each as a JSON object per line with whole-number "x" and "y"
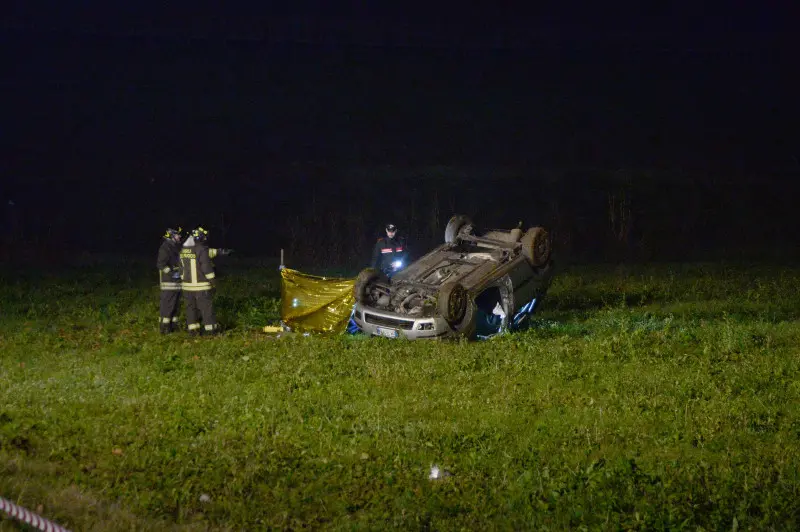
{"x": 619, "y": 215}
{"x": 330, "y": 216}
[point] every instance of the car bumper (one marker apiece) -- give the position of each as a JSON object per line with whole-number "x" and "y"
{"x": 392, "y": 325}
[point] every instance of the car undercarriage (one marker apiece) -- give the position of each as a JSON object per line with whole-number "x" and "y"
{"x": 493, "y": 273}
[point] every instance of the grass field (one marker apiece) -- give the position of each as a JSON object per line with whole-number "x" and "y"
{"x": 663, "y": 397}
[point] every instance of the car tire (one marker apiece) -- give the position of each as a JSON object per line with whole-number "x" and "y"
{"x": 452, "y": 302}
{"x": 455, "y": 226}
{"x": 467, "y": 327}
{"x": 365, "y": 278}
{"x": 536, "y": 246}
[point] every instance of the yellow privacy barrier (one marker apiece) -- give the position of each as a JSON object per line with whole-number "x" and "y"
{"x": 315, "y": 304}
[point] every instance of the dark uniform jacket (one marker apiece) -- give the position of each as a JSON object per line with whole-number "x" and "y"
{"x": 169, "y": 264}
{"x": 386, "y": 251}
{"x": 197, "y": 269}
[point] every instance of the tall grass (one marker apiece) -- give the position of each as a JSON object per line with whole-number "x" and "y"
{"x": 660, "y": 397}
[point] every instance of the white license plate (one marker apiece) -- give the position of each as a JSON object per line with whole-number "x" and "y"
{"x": 388, "y": 333}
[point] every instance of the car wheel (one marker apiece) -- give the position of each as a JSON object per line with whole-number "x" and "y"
{"x": 536, "y": 246}
{"x": 457, "y": 224}
{"x": 452, "y": 302}
{"x": 365, "y": 278}
{"x": 467, "y": 327}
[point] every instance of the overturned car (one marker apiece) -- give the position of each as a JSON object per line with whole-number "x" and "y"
{"x": 477, "y": 283}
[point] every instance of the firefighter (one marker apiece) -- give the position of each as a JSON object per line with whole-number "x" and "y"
{"x": 199, "y": 280}
{"x": 389, "y": 254}
{"x": 169, "y": 271}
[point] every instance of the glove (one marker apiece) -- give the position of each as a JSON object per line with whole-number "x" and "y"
{"x": 176, "y": 273}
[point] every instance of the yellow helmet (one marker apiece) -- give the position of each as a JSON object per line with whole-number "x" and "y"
{"x": 200, "y": 234}
{"x": 170, "y": 232}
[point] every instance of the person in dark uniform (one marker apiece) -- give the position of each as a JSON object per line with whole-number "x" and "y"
{"x": 199, "y": 280}
{"x": 169, "y": 272}
{"x": 390, "y": 253}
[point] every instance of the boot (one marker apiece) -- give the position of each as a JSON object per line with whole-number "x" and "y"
{"x": 214, "y": 331}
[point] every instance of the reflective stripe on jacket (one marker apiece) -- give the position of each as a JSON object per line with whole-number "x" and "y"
{"x": 386, "y": 251}
{"x": 168, "y": 264}
{"x": 197, "y": 270}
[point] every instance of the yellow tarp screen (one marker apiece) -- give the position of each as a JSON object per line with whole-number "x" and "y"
{"x": 315, "y": 304}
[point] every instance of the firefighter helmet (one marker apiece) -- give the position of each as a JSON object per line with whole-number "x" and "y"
{"x": 170, "y": 233}
{"x": 200, "y": 234}
{"x": 391, "y": 228}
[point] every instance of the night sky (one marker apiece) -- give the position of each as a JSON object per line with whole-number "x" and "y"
{"x": 134, "y": 118}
